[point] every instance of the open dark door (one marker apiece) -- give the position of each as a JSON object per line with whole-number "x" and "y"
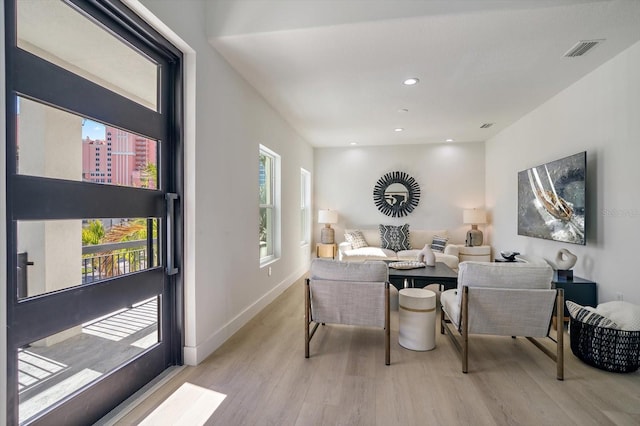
{"x": 93, "y": 208}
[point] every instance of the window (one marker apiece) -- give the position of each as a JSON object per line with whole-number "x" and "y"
{"x": 269, "y": 183}
{"x": 305, "y": 207}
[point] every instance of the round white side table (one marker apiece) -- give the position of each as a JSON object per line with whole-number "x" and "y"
{"x": 417, "y": 308}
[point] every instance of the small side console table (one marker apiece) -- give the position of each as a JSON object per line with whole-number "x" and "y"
{"x": 326, "y": 250}
{"x": 581, "y": 291}
{"x": 477, "y": 253}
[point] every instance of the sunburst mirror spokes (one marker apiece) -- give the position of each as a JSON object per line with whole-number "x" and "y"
{"x": 396, "y": 194}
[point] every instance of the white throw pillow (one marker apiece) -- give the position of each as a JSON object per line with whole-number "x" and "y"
{"x": 625, "y": 314}
{"x": 356, "y": 239}
{"x": 588, "y": 315}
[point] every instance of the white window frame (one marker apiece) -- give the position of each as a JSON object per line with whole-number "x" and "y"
{"x": 273, "y": 226}
{"x": 305, "y": 207}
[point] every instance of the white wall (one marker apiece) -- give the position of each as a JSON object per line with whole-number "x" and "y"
{"x": 451, "y": 178}
{"x": 225, "y": 286}
{"x": 599, "y": 114}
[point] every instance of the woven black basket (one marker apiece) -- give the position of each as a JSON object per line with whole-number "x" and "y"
{"x": 606, "y": 348}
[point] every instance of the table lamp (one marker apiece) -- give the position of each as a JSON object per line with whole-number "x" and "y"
{"x": 474, "y": 217}
{"x": 327, "y": 217}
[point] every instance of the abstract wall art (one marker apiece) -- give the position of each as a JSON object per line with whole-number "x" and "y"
{"x": 551, "y": 200}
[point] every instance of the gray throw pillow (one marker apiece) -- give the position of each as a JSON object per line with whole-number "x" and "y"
{"x": 438, "y": 243}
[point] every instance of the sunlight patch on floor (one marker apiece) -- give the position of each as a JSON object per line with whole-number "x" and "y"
{"x": 188, "y": 405}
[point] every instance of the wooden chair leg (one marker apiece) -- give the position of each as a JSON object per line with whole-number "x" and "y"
{"x": 307, "y": 307}
{"x": 560, "y": 334}
{"x": 387, "y": 327}
{"x": 465, "y": 329}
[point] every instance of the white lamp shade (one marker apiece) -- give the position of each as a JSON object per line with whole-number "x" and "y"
{"x": 327, "y": 216}
{"x": 474, "y": 216}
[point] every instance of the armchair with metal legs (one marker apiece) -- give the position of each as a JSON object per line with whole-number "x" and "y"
{"x": 347, "y": 293}
{"x": 505, "y": 300}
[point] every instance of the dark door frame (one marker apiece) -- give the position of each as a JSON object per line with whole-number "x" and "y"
{"x": 32, "y": 77}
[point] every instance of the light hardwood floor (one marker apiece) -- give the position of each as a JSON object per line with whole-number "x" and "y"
{"x": 267, "y": 381}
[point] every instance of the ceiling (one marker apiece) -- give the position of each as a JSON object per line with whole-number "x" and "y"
{"x": 334, "y": 69}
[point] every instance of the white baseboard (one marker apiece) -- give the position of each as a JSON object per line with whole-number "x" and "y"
{"x": 194, "y": 355}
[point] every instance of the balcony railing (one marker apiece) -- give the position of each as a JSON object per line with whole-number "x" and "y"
{"x": 102, "y": 261}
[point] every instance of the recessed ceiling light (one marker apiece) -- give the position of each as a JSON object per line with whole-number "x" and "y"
{"x": 403, "y": 110}
{"x": 449, "y": 140}
{"x": 353, "y": 143}
{"x": 411, "y": 81}
{"x": 398, "y": 129}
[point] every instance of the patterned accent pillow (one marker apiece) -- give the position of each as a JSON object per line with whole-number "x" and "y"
{"x": 438, "y": 243}
{"x": 395, "y": 238}
{"x": 356, "y": 239}
{"x": 588, "y": 316}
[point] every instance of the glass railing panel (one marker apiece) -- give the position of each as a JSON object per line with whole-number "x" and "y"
{"x": 58, "y": 254}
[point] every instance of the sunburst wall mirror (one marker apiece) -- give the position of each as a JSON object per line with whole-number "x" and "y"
{"x": 396, "y": 194}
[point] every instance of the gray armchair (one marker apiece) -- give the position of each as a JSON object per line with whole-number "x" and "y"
{"x": 349, "y": 293}
{"x": 504, "y": 299}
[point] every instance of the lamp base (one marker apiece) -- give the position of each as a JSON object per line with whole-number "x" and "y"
{"x": 327, "y": 235}
{"x": 474, "y": 238}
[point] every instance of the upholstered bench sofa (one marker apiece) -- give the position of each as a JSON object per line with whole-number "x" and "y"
{"x": 372, "y": 247}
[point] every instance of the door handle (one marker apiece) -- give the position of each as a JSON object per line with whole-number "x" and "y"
{"x": 171, "y": 199}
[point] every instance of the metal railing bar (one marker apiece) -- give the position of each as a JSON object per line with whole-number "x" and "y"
{"x": 100, "y": 248}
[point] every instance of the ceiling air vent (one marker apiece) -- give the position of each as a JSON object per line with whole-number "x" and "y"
{"x": 582, "y": 47}
{"x": 486, "y": 125}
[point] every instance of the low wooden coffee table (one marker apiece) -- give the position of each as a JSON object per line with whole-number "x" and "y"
{"x": 420, "y": 277}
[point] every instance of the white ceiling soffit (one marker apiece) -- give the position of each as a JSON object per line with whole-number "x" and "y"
{"x": 334, "y": 69}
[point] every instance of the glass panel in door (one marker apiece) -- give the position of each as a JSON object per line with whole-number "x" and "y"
{"x": 56, "y": 144}
{"x": 53, "y": 255}
{"x": 60, "y": 34}
{"x": 58, "y": 366}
